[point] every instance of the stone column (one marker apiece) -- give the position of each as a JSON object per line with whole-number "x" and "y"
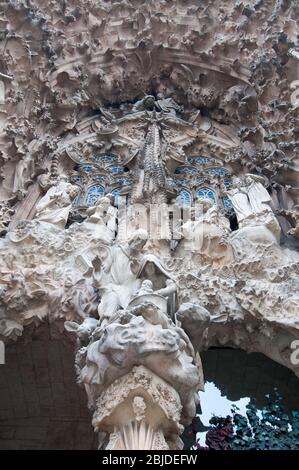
{"x": 140, "y": 376}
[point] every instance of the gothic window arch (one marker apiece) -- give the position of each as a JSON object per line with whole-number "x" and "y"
{"x": 105, "y": 158}
{"x": 123, "y": 181}
{"x": 227, "y": 202}
{"x": 206, "y": 193}
{"x": 184, "y": 198}
{"x": 93, "y": 194}
{"x": 117, "y": 196}
{"x": 186, "y": 170}
{"x": 87, "y": 168}
{"x": 118, "y": 169}
{"x": 201, "y": 160}
{"x": 216, "y": 170}
{"x": 98, "y": 179}
{"x": 78, "y": 198}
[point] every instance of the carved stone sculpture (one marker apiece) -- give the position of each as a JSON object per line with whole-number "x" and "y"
{"x": 55, "y": 206}
{"x": 140, "y": 335}
{"x": 207, "y": 236}
{"x": 114, "y": 276}
{"x": 117, "y": 121}
{"x": 240, "y": 201}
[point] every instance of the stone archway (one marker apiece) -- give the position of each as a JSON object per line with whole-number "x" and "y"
{"x": 41, "y": 405}
{"x": 164, "y": 104}
{"x": 273, "y": 339}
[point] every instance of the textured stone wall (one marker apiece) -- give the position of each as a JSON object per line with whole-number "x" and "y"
{"x": 107, "y": 105}
{"x": 41, "y": 406}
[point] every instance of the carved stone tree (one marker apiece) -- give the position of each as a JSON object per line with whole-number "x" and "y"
{"x": 149, "y": 194}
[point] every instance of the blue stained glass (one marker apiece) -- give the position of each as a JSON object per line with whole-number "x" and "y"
{"x": 123, "y": 181}
{"x": 217, "y": 171}
{"x": 200, "y": 179}
{"x": 115, "y": 169}
{"x": 227, "y": 202}
{"x": 227, "y": 182}
{"x": 76, "y": 201}
{"x": 182, "y": 181}
{"x": 116, "y": 194}
{"x": 186, "y": 170}
{"x": 206, "y": 193}
{"x": 201, "y": 160}
{"x": 94, "y": 193}
{"x": 105, "y": 158}
{"x": 87, "y": 168}
{"x": 98, "y": 178}
{"x": 184, "y": 198}
{"x": 76, "y": 179}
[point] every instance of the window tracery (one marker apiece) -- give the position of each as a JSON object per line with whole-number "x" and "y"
{"x": 100, "y": 178}
{"x": 203, "y": 179}
{"x": 93, "y": 194}
{"x": 186, "y": 170}
{"x": 206, "y": 193}
{"x": 184, "y": 198}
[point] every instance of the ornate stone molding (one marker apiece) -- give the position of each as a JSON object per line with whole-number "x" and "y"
{"x": 106, "y": 109}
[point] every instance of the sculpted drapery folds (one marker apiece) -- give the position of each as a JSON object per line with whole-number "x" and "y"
{"x": 149, "y": 195}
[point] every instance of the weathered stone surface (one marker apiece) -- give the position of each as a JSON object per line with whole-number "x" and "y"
{"x": 114, "y": 115}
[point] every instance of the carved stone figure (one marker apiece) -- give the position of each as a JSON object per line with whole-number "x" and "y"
{"x": 83, "y": 331}
{"x": 23, "y": 171}
{"x": 168, "y": 105}
{"x": 206, "y": 235}
{"x": 148, "y": 103}
{"x": 55, "y": 206}
{"x": 114, "y": 276}
{"x": 130, "y": 340}
{"x": 239, "y": 199}
{"x": 101, "y": 220}
{"x": 258, "y": 196}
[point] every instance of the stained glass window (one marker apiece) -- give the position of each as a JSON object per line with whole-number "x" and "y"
{"x": 186, "y": 170}
{"x": 182, "y": 181}
{"x": 200, "y": 180}
{"x": 123, "y": 181}
{"x": 98, "y": 178}
{"x": 87, "y": 168}
{"x": 105, "y": 158}
{"x": 206, "y": 193}
{"x": 117, "y": 196}
{"x": 76, "y": 179}
{"x": 201, "y": 160}
{"x": 217, "y": 171}
{"x": 116, "y": 169}
{"x": 94, "y": 193}
{"x": 227, "y": 182}
{"x": 184, "y": 198}
{"x": 227, "y": 202}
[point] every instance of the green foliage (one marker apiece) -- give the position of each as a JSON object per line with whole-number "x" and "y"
{"x": 274, "y": 430}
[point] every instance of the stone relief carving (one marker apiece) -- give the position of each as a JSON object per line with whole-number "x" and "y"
{"x": 140, "y": 334}
{"x": 154, "y": 410}
{"x": 55, "y": 206}
{"x": 144, "y": 105}
{"x": 207, "y": 236}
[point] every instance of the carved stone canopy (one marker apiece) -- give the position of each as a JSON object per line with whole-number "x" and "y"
{"x": 149, "y": 194}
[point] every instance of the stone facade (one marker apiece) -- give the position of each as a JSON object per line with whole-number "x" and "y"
{"x": 149, "y": 195}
